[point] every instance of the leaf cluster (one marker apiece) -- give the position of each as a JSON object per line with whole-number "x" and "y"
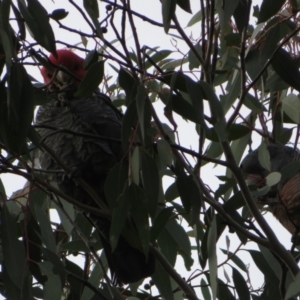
{"x": 237, "y": 82}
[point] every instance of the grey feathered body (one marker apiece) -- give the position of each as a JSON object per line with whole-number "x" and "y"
{"x": 93, "y": 157}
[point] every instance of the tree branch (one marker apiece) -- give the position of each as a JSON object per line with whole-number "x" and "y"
{"x": 189, "y": 292}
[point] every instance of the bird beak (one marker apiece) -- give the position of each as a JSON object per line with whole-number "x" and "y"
{"x": 62, "y": 76}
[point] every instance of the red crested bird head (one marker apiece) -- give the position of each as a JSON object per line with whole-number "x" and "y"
{"x": 68, "y": 60}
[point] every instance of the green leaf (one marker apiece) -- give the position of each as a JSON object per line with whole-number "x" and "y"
{"x": 197, "y": 17}
{"x": 212, "y": 256}
{"x": 232, "y": 39}
{"x": 140, "y": 216}
{"x": 264, "y": 267}
{"x": 75, "y": 246}
{"x": 235, "y": 259}
{"x": 91, "y": 7}
{"x": 176, "y": 80}
{"x": 268, "y": 9}
{"x": 240, "y": 15}
{"x": 180, "y": 236}
{"x": 273, "y": 178}
{"x": 53, "y": 287}
{"x": 46, "y": 230}
{"x": 157, "y": 58}
{"x": 275, "y": 31}
{"x": 135, "y": 165}
{"x": 214, "y": 149}
{"x": 205, "y": 290}
{"x": 128, "y": 84}
{"x": 225, "y": 11}
{"x": 271, "y": 260}
{"x": 216, "y": 109}
{"x": 162, "y": 282}
{"x": 185, "y": 5}
{"x": 196, "y": 94}
{"x": 171, "y": 192}
{"x": 3, "y": 196}
{"x": 20, "y": 108}
{"x": 293, "y": 289}
{"x": 240, "y": 285}
{"x": 181, "y": 107}
{"x": 291, "y": 106}
{"x": 4, "y": 18}
{"x": 235, "y": 132}
{"x": 83, "y": 224}
{"x": 130, "y": 121}
{"x": 234, "y": 88}
{"x": 13, "y": 250}
{"x": 95, "y": 277}
{"x": 37, "y": 19}
{"x": 193, "y": 60}
{"x": 165, "y": 152}
{"x": 76, "y": 286}
{"x": 91, "y": 80}
{"x": 167, "y": 246}
{"x": 58, "y": 267}
{"x": 264, "y": 156}
{"x": 151, "y": 181}
{"x": 168, "y": 11}
{"x": 224, "y": 188}
{"x": 66, "y": 221}
{"x": 11, "y": 291}
{"x": 40, "y": 97}
{"x": 91, "y": 58}
{"x": 119, "y": 215}
{"x": 286, "y": 68}
{"x": 224, "y": 292}
{"x": 254, "y": 104}
{"x": 115, "y": 183}
{"x": 160, "y": 222}
{"x": 7, "y": 49}
{"x": 190, "y": 195}
{"x": 140, "y": 105}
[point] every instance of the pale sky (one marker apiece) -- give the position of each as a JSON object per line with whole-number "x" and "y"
{"x": 152, "y": 37}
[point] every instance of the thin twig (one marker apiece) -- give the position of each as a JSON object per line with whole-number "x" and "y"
{"x": 246, "y": 90}
{"x": 189, "y": 292}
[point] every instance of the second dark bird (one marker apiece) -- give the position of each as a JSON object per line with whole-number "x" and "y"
{"x": 285, "y": 202}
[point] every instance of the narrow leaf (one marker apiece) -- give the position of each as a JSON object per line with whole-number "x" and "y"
{"x": 91, "y": 80}
{"x": 165, "y": 152}
{"x": 140, "y": 104}
{"x": 162, "y": 282}
{"x": 53, "y": 287}
{"x": 240, "y": 285}
{"x": 159, "y": 222}
{"x": 46, "y": 230}
{"x": 13, "y": 249}
{"x": 151, "y": 181}
{"x": 212, "y": 256}
{"x": 168, "y": 11}
{"x": 268, "y": 9}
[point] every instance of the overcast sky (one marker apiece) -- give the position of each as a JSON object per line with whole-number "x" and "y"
{"x": 150, "y": 36}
